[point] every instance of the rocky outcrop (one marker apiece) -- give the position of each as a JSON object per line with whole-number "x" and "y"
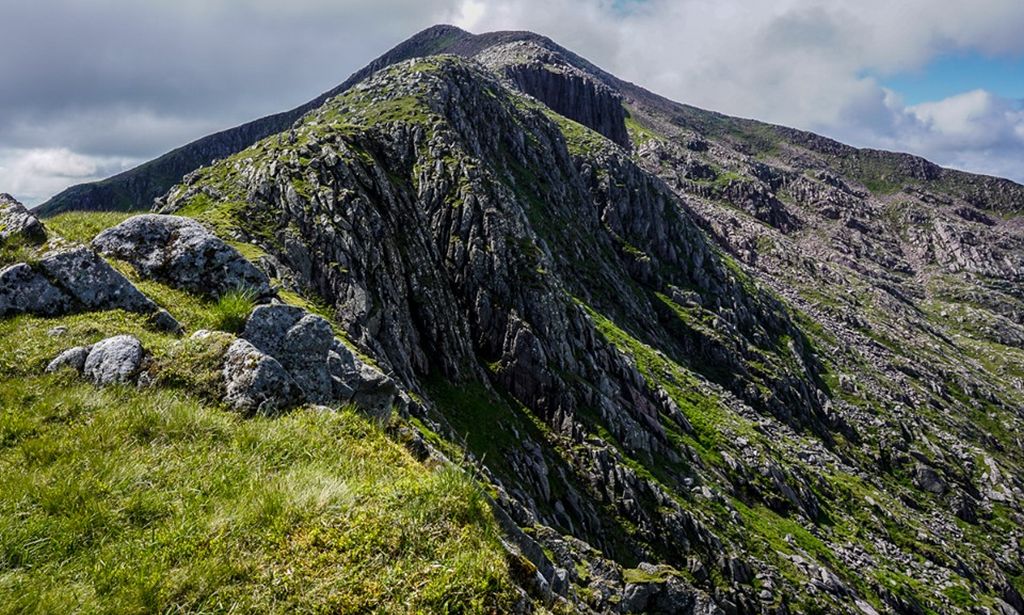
{"x": 256, "y": 382}
{"x": 26, "y": 291}
{"x": 17, "y": 221}
{"x": 91, "y": 283}
{"x": 115, "y": 360}
{"x": 181, "y": 253}
{"x": 548, "y": 77}
{"x": 72, "y": 280}
{"x": 323, "y": 369}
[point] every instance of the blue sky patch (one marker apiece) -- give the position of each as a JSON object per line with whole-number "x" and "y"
{"x": 957, "y": 73}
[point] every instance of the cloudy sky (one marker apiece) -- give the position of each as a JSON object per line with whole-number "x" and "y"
{"x": 92, "y": 87}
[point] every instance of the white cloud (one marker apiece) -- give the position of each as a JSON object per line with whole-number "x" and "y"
{"x": 32, "y": 175}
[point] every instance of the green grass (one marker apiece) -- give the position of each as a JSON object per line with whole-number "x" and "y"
{"x": 17, "y": 250}
{"x": 83, "y": 226}
{"x": 638, "y": 133}
{"x": 579, "y": 139}
{"x": 137, "y": 501}
{"x": 704, "y": 412}
{"x": 232, "y": 310}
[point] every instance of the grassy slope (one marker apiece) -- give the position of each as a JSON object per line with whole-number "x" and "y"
{"x": 128, "y": 500}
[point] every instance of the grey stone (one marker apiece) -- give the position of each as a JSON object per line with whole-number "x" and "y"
{"x": 115, "y": 360}
{"x": 256, "y": 382}
{"x": 320, "y": 364}
{"x": 92, "y": 283}
{"x": 74, "y": 280}
{"x": 163, "y": 320}
{"x": 23, "y": 290}
{"x": 183, "y": 253}
{"x": 928, "y": 479}
{"x": 17, "y": 221}
{"x": 72, "y": 357}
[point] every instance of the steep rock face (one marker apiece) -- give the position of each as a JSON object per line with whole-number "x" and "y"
{"x": 716, "y": 353}
{"x": 565, "y": 89}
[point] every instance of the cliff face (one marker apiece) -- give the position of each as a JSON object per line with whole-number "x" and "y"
{"x": 702, "y": 367}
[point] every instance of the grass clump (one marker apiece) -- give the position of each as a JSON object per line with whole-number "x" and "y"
{"x": 232, "y": 310}
{"x": 17, "y": 249}
{"x": 194, "y": 365}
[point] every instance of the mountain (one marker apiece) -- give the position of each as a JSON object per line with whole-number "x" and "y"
{"x": 136, "y": 188}
{"x": 695, "y": 364}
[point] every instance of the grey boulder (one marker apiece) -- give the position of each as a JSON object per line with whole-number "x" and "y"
{"x": 115, "y": 360}
{"x": 300, "y": 341}
{"x": 323, "y": 368}
{"x": 71, "y": 281}
{"x": 17, "y": 221}
{"x": 256, "y": 383}
{"x": 72, "y": 357}
{"x": 361, "y": 384}
{"x": 92, "y": 282}
{"x": 23, "y": 290}
{"x": 182, "y": 253}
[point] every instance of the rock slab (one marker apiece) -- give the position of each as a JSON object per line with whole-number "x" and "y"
{"x": 182, "y": 253}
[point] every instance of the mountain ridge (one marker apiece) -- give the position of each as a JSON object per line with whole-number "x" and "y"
{"x": 136, "y": 188}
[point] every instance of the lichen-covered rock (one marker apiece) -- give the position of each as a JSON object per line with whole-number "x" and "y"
{"x": 256, "y": 382}
{"x": 17, "y": 221}
{"x": 75, "y": 280}
{"x": 300, "y": 341}
{"x": 92, "y": 283}
{"x": 23, "y": 290}
{"x": 325, "y": 370}
{"x": 365, "y": 386}
{"x": 115, "y": 360}
{"x": 182, "y": 253}
{"x": 72, "y": 357}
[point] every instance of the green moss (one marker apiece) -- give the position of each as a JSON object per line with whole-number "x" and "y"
{"x": 659, "y": 575}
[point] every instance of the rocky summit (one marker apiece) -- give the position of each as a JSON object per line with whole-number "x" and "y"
{"x": 688, "y": 363}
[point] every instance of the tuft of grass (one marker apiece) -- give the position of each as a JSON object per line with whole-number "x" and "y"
{"x": 194, "y": 365}
{"x": 17, "y": 249}
{"x": 232, "y": 309}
